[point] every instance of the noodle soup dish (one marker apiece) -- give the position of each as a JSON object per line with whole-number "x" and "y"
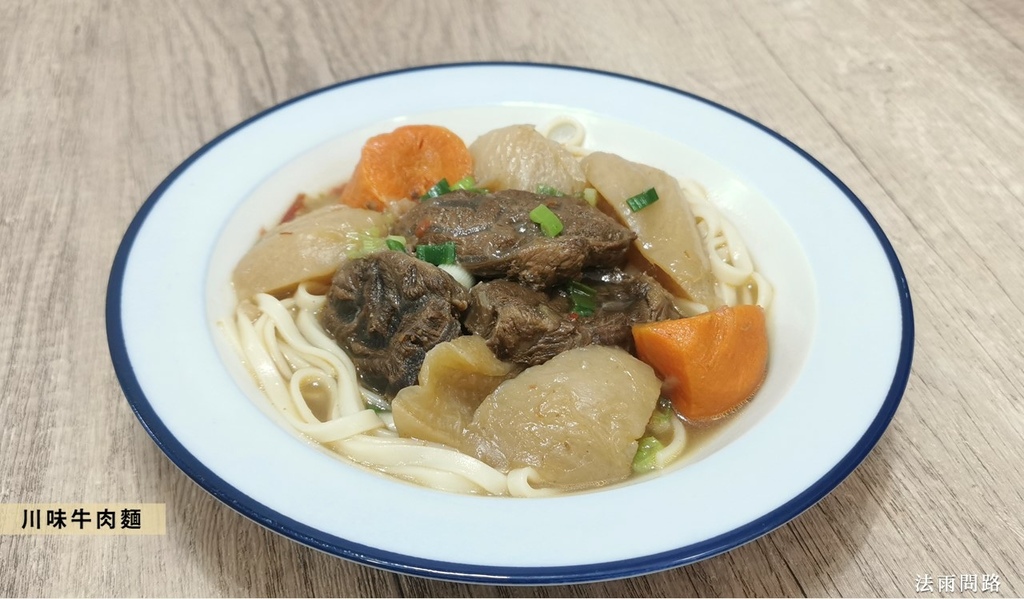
{"x": 521, "y": 302}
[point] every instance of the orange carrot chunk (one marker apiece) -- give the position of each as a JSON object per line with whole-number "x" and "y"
{"x": 404, "y": 164}
{"x": 714, "y": 362}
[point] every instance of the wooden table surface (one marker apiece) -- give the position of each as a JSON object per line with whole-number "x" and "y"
{"x": 918, "y": 105}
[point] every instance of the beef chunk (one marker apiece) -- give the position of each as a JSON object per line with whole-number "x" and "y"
{"x": 494, "y": 236}
{"x": 387, "y": 310}
{"x": 527, "y": 326}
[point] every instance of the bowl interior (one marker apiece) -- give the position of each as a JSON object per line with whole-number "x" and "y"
{"x": 775, "y": 248}
{"x": 831, "y": 387}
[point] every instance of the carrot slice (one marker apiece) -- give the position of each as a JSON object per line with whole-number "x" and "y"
{"x": 715, "y": 362}
{"x": 404, "y": 164}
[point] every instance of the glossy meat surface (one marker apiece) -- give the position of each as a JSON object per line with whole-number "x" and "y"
{"x": 494, "y": 236}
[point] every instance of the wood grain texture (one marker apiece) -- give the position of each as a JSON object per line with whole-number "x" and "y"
{"x": 918, "y": 105}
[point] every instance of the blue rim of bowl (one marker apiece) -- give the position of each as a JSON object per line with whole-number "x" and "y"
{"x": 469, "y": 573}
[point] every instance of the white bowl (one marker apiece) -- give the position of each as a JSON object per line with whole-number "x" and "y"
{"x": 840, "y": 328}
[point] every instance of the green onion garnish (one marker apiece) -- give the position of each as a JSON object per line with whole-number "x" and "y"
{"x": 647, "y": 450}
{"x": 442, "y": 253}
{"x": 395, "y": 242}
{"x": 584, "y": 298}
{"x": 363, "y": 244}
{"x": 590, "y": 195}
{"x": 548, "y": 221}
{"x": 547, "y": 190}
{"x": 439, "y": 189}
{"x": 468, "y": 183}
{"x": 442, "y": 187}
{"x": 642, "y": 200}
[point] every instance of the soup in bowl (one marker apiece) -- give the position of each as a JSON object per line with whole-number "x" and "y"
{"x": 510, "y": 301}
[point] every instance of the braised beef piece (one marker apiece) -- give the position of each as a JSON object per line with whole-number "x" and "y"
{"x": 528, "y": 327}
{"x": 387, "y": 310}
{"x": 494, "y": 236}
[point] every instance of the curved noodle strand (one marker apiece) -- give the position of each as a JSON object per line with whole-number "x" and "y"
{"x": 286, "y": 396}
{"x": 674, "y": 449}
{"x": 294, "y": 358}
{"x": 308, "y": 301}
{"x": 384, "y": 452}
{"x": 350, "y": 400}
{"x": 522, "y": 481}
{"x": 268, "y": 334}
{"x": 763, "y": 290}
{"x": 730, "y": 260}
{"x": 261, "y": 365}
{"x": 341, "y": 429}
{"x": 573, "y": 141}
{"x": 437, "y": 479}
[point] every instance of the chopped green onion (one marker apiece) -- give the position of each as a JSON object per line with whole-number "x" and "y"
{"x": 373, "y": 244}
{"x": 647, "y": 450}
{"x": 443, "y": 253}
{"x": 590, "y": 195}
{"x": 439, "y": 189}
{"x": 548, "y": 221}
{"x": 642, "y": 200}
{"x": 363, "y": 244}
{"x": 442, "y": 187}
{"x": 467, "y": 183}
{"x": 547, "y": 190}
{"x": 395, "y": 242}
{"x": 584, "y": 298}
